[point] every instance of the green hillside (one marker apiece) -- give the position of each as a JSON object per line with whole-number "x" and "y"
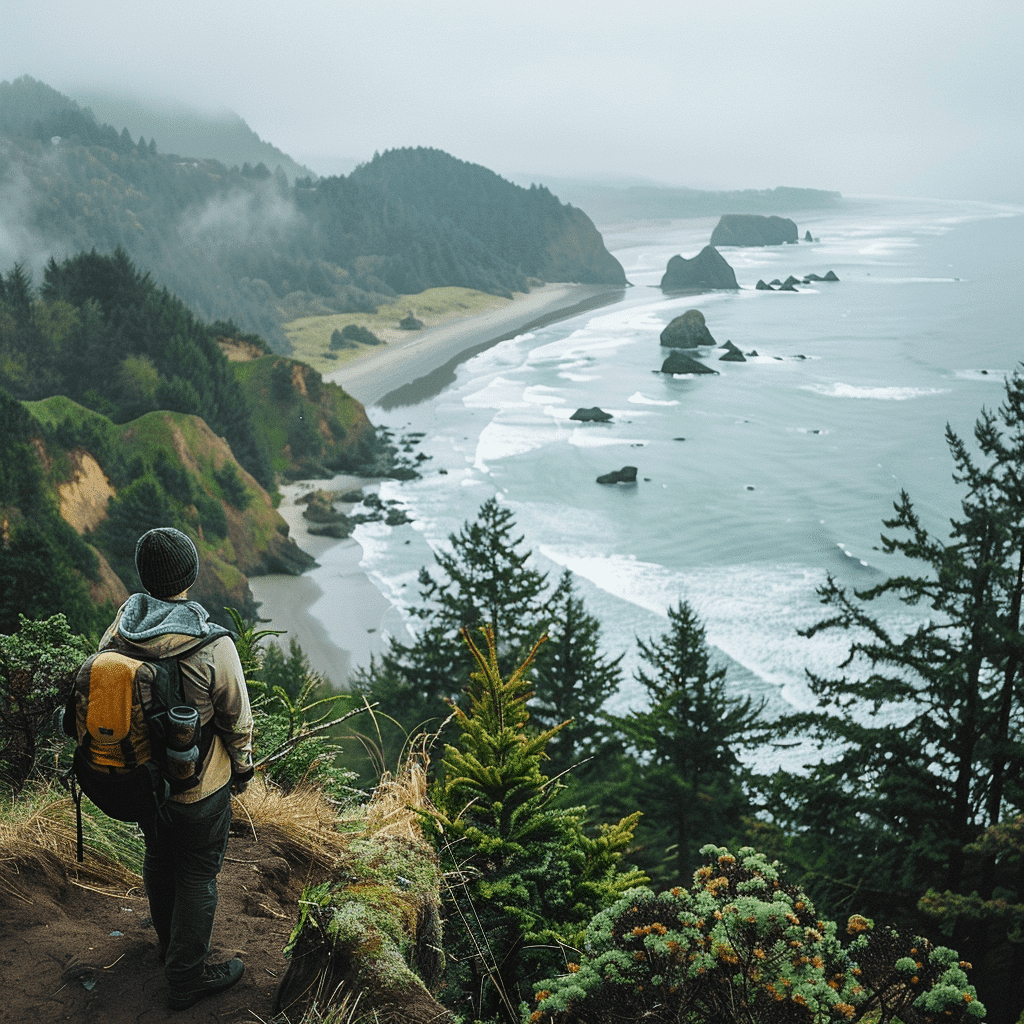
{"x": 120, "y": 411}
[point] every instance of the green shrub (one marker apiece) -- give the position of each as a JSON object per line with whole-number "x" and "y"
{"x": 211, "y": 515}
{"x": 361, "y": 335}
{"x": 36, "y": 666}
{"x": 233, "y": 486}
{"x": 744, "y": 946}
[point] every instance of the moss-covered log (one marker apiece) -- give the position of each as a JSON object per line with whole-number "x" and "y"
{"x": 369, "y": 938}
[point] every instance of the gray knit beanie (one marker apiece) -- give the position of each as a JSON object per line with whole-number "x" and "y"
{"x": 167, "y": 561}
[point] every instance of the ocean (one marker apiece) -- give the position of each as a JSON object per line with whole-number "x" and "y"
{"x": 752, "y": 485}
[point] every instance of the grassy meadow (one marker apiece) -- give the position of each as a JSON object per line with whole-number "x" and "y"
{"x": 310, "y": 336}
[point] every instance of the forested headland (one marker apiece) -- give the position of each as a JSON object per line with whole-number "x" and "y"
{"x": 236, "y": 243}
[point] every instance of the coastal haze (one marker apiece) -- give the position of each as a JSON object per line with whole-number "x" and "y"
{"x": 912, "y": 98}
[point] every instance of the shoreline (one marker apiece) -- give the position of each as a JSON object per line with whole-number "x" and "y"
{"x": 413, "y": 369}
{"x": 403, "y": 373}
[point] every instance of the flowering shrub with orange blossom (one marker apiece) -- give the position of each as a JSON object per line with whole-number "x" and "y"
{"x": 743, "y": 945}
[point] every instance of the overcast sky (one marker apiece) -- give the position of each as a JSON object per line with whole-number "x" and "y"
{"x": 907, "y": 97}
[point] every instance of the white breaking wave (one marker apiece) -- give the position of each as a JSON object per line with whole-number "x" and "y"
{"x": 641, "y": 399}
{"x": 883, "y": 394}
{"x": 750, "y": 612}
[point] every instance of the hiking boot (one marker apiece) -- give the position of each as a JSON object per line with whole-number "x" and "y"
{"x": 215, "y": 978}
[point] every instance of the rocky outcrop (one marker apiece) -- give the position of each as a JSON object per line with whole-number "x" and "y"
{"x": 689, "y": 330}
{"x": 762, "y": 287}
{"x": 679, "y": 362}
{"x": 753, "y": 229}
{"x": 592, "y": 415}
{"x": 708, "y": 269}
{"x": 733, "y": 356}
{"x": 626, "y": 475}
{"x": 830, "y": 276}
{"x": 807, "y": 237}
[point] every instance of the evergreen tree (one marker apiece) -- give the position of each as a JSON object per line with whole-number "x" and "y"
{"x": 891, "y": 812}
{"x": 686, "y": 773}
{"x": 530, "y": 877}
{"x": 572, "y": 679}
{"x": 485, "y": 579}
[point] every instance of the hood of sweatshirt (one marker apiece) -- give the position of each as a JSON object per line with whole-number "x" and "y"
{"x": 163, "y": 628}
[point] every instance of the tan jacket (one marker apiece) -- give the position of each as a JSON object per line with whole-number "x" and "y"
{"x": 212, "y": 678}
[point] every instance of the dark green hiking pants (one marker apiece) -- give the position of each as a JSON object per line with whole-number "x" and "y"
{"x": 185, "y": 847}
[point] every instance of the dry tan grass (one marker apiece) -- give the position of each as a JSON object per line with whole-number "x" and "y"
{"x": 38, "y": 832}
{"x": 38, "y": 836}
{"x": 301, "y": 824}
{"x": 392, "y": 810}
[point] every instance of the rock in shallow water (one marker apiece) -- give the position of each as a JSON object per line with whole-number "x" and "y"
{"x": 592, "y": 415}
{"x": 626, "y": 475}
{"x": 688, "y": 330}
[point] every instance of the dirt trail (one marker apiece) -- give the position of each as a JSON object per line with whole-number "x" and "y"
{"x": 68, "y": 953}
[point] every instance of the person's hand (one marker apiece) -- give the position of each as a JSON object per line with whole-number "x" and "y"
{"x": 240, "y": 781}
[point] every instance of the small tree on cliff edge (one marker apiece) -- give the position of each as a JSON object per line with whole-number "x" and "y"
{"x": 527, "y": 876}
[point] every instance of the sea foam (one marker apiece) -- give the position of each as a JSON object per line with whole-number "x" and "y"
{"x": 884, "y": 394}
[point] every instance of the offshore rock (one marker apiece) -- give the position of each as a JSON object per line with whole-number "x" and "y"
{"x": 762, "y": 287}
{"x": 592, "y": 415}
{"x": 807, "y": 237}
{"x": 687, "y": 331}
{"x": 626, "y": 475}
{"x": 733, "y": 356}
{"x": 708, "y": 269}
{"x": 830, "y": 276}
{"x": 679, "y": 362}
{"x": 753, "y": 229}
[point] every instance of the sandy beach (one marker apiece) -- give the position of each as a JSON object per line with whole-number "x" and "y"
{"x": 334, "y": 611}
{"x": 407, "y": 371}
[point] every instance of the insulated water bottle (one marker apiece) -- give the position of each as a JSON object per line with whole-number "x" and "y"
{"x": 182, "y": 742}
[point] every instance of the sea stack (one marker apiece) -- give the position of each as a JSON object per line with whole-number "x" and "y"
{"x": 687, "y": 331}
{"x": 708, "y": 269}
{"x": 753, "y": 229}
{"x": 626, "y": 475}
{"x": 679, "y": 362}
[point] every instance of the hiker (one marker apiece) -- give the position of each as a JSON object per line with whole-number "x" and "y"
{"x": 187, "y": 836}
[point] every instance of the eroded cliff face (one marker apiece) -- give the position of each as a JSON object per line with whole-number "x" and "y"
{"x": 83, "y": 501}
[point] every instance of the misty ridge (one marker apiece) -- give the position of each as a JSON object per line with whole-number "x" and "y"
{"x": 254, "y": 246}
